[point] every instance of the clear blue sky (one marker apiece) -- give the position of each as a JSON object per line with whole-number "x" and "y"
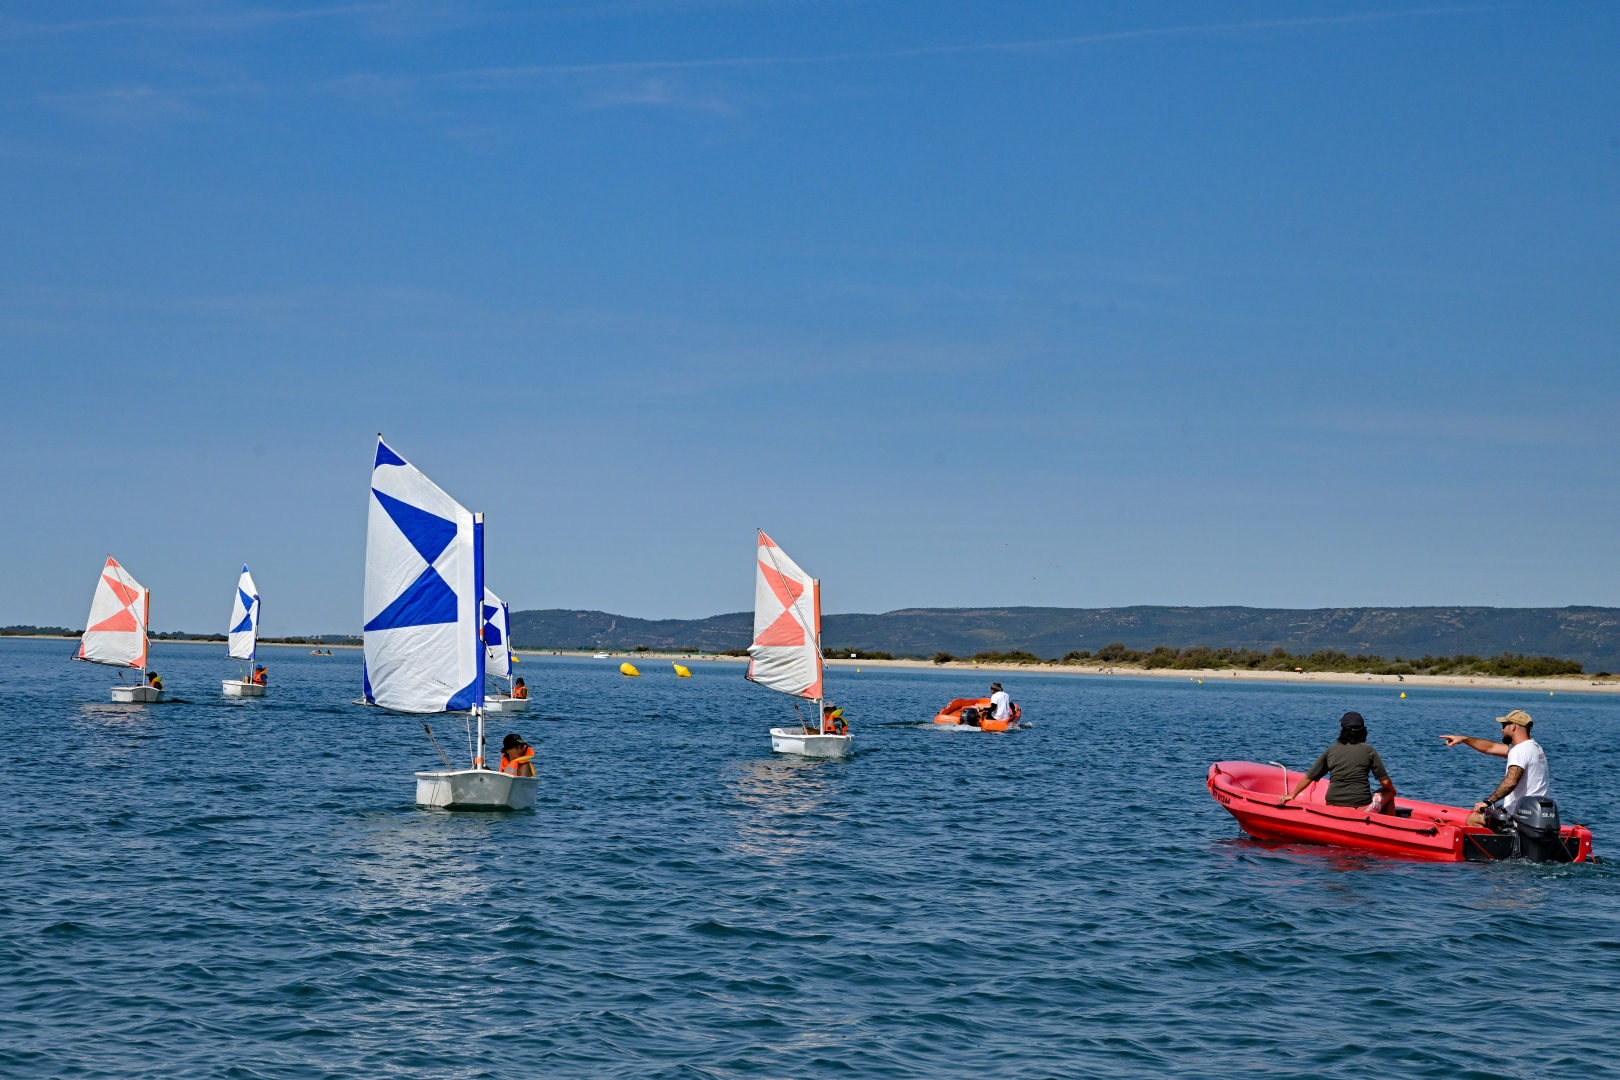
{"x": 1280, "y": 304}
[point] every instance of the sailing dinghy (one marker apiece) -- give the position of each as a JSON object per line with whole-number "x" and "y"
{"x": 498, "y": 655}
{"x": 786, "y": 652}
{"x": 115, "y": 633}
{"x": 243, "y": 636}
{"x": 424, "y": 649}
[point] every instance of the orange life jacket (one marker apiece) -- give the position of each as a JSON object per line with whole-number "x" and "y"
{"x": 258, "y": 677}
{"x": 523, "y": 765}
{"x": 520, "y": 691}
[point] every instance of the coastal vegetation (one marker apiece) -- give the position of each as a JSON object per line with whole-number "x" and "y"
{"x": 1205, "y": 658}
{"x": 855, "y": 654}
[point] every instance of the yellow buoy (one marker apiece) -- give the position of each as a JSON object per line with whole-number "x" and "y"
{"x": 516, "y": 658}
{"x": 628, "y": 669}
{"x": 680, "y": 672}
{"x": 1403, "y": 693}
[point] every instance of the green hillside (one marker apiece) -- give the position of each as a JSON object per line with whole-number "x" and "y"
{"x": 1588, "y": 634}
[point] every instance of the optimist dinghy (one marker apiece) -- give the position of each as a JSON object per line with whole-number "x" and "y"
{"x": 498, "y": 656}
{"x": 1417, "y": 830}
{"x": 975, "y": 712}
{"x": 423, "y": 627}
{"x": 786, "y": 653}
{"x": 115, "y": 633}
{"x": 243, "y": 637}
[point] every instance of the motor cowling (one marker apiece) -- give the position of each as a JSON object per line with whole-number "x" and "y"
{"x": 1535, "y": 819}
{"x": 970, "y": 716}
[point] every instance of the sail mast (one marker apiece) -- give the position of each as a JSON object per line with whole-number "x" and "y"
{"x": 478, "y": 642}
{"x": 815, "y": 587}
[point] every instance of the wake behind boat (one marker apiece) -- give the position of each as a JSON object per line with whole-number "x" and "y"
{"x": 786, "y": 653}
{"x": 423, "y": 629}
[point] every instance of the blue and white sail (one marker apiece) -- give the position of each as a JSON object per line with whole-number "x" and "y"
{"x": 244, "y": 628}
{"x": 497, "y": 646}
{"x": 424, "y": 575}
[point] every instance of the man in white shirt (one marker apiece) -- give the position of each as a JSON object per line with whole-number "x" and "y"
{"x": 1000, "y": 703}
{"x": 1526, "y": 764}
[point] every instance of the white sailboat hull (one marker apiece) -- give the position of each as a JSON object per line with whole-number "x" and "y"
{"x": 787, "y": 741}
{"x": 239, "y": 688}
{"x": 506, "y": 704}
{"x": 476, "y": 789}
{"x": 129, "y": 695}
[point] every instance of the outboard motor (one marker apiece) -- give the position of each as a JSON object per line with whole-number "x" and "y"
{"x": 1535, "y": 820}
{"x": 970, "y": 716}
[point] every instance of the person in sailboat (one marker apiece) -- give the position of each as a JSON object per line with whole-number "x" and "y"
{"x": 832, "y": 720}
{"x": 154, "y": 680}
{"x": 260, "y": 675}
{"x": 519, "y": 690}
{"x": 517, "y": 756}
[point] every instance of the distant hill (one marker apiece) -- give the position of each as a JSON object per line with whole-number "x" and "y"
{"x": 1588, "y": 634}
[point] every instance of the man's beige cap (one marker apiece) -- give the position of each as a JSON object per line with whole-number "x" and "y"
{"x": 1517, "y": 716}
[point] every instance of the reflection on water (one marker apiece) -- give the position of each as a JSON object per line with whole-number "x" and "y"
{"x": 779, "y": 794}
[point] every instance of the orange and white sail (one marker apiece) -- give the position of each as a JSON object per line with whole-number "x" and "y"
{"x": 786, "y": 653}
{"x": 116, "y": 631}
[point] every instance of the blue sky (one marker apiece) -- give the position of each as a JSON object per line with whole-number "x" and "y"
{"x": 1280, "y": 304}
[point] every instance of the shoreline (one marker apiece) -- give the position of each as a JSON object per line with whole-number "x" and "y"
{"x": 1552, "y": 684}
{"x": 184, "y": 641}
{"x": 1579, "y": 684}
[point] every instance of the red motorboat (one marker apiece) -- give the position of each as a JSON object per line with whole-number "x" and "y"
{"x": 975, "y": 712}
{"x": 1417, "y": 830}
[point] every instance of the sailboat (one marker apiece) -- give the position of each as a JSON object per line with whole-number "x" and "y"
{"x": 115, "y": 633}
{"x": 498, "y": 655}
{"x": 243, "y": 636}
{"x": 786, "y": 652}
{"x": 423, "y": 626}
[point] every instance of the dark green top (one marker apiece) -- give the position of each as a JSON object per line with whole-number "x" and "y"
{"x": 1349, "y": 765}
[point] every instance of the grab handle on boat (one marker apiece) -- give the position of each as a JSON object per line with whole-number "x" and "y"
{"x": 1284, "y": 768}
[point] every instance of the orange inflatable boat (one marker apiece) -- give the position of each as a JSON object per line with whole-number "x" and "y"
{"x": 977, "y": 714}
{"x": 1417, "y": 830}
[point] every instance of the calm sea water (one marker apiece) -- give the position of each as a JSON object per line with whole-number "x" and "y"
{"x": 243, "y": 888}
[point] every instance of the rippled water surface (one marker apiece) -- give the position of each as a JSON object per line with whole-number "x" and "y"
{"x": 243, "y": 888}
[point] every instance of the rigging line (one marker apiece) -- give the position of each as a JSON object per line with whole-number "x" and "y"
{"x": 436, "y": 746}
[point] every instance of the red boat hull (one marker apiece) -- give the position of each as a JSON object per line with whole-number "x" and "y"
{"x": 1433, "y": 831}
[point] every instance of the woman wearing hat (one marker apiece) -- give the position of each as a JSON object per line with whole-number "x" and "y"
{"x": 1348, "y": 762}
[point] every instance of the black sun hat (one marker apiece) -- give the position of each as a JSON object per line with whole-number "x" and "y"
{"x": 1352, "y": 719}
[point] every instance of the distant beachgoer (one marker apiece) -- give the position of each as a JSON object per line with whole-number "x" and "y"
{"x": 519, "y": 690}
{"x": 517, "y": 756}
{"x": 1000, "y": 703}
{"x": 1526, "y": 763}
{"x": 1348, "y": 761}
{"x": 154, "y": 680}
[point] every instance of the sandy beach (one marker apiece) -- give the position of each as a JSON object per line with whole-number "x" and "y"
{"x": 1568, "y": 683}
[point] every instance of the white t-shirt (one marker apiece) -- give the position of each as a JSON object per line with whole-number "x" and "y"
{"x": 1529, "y": 757}
{"x": 1000, "y": 705}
